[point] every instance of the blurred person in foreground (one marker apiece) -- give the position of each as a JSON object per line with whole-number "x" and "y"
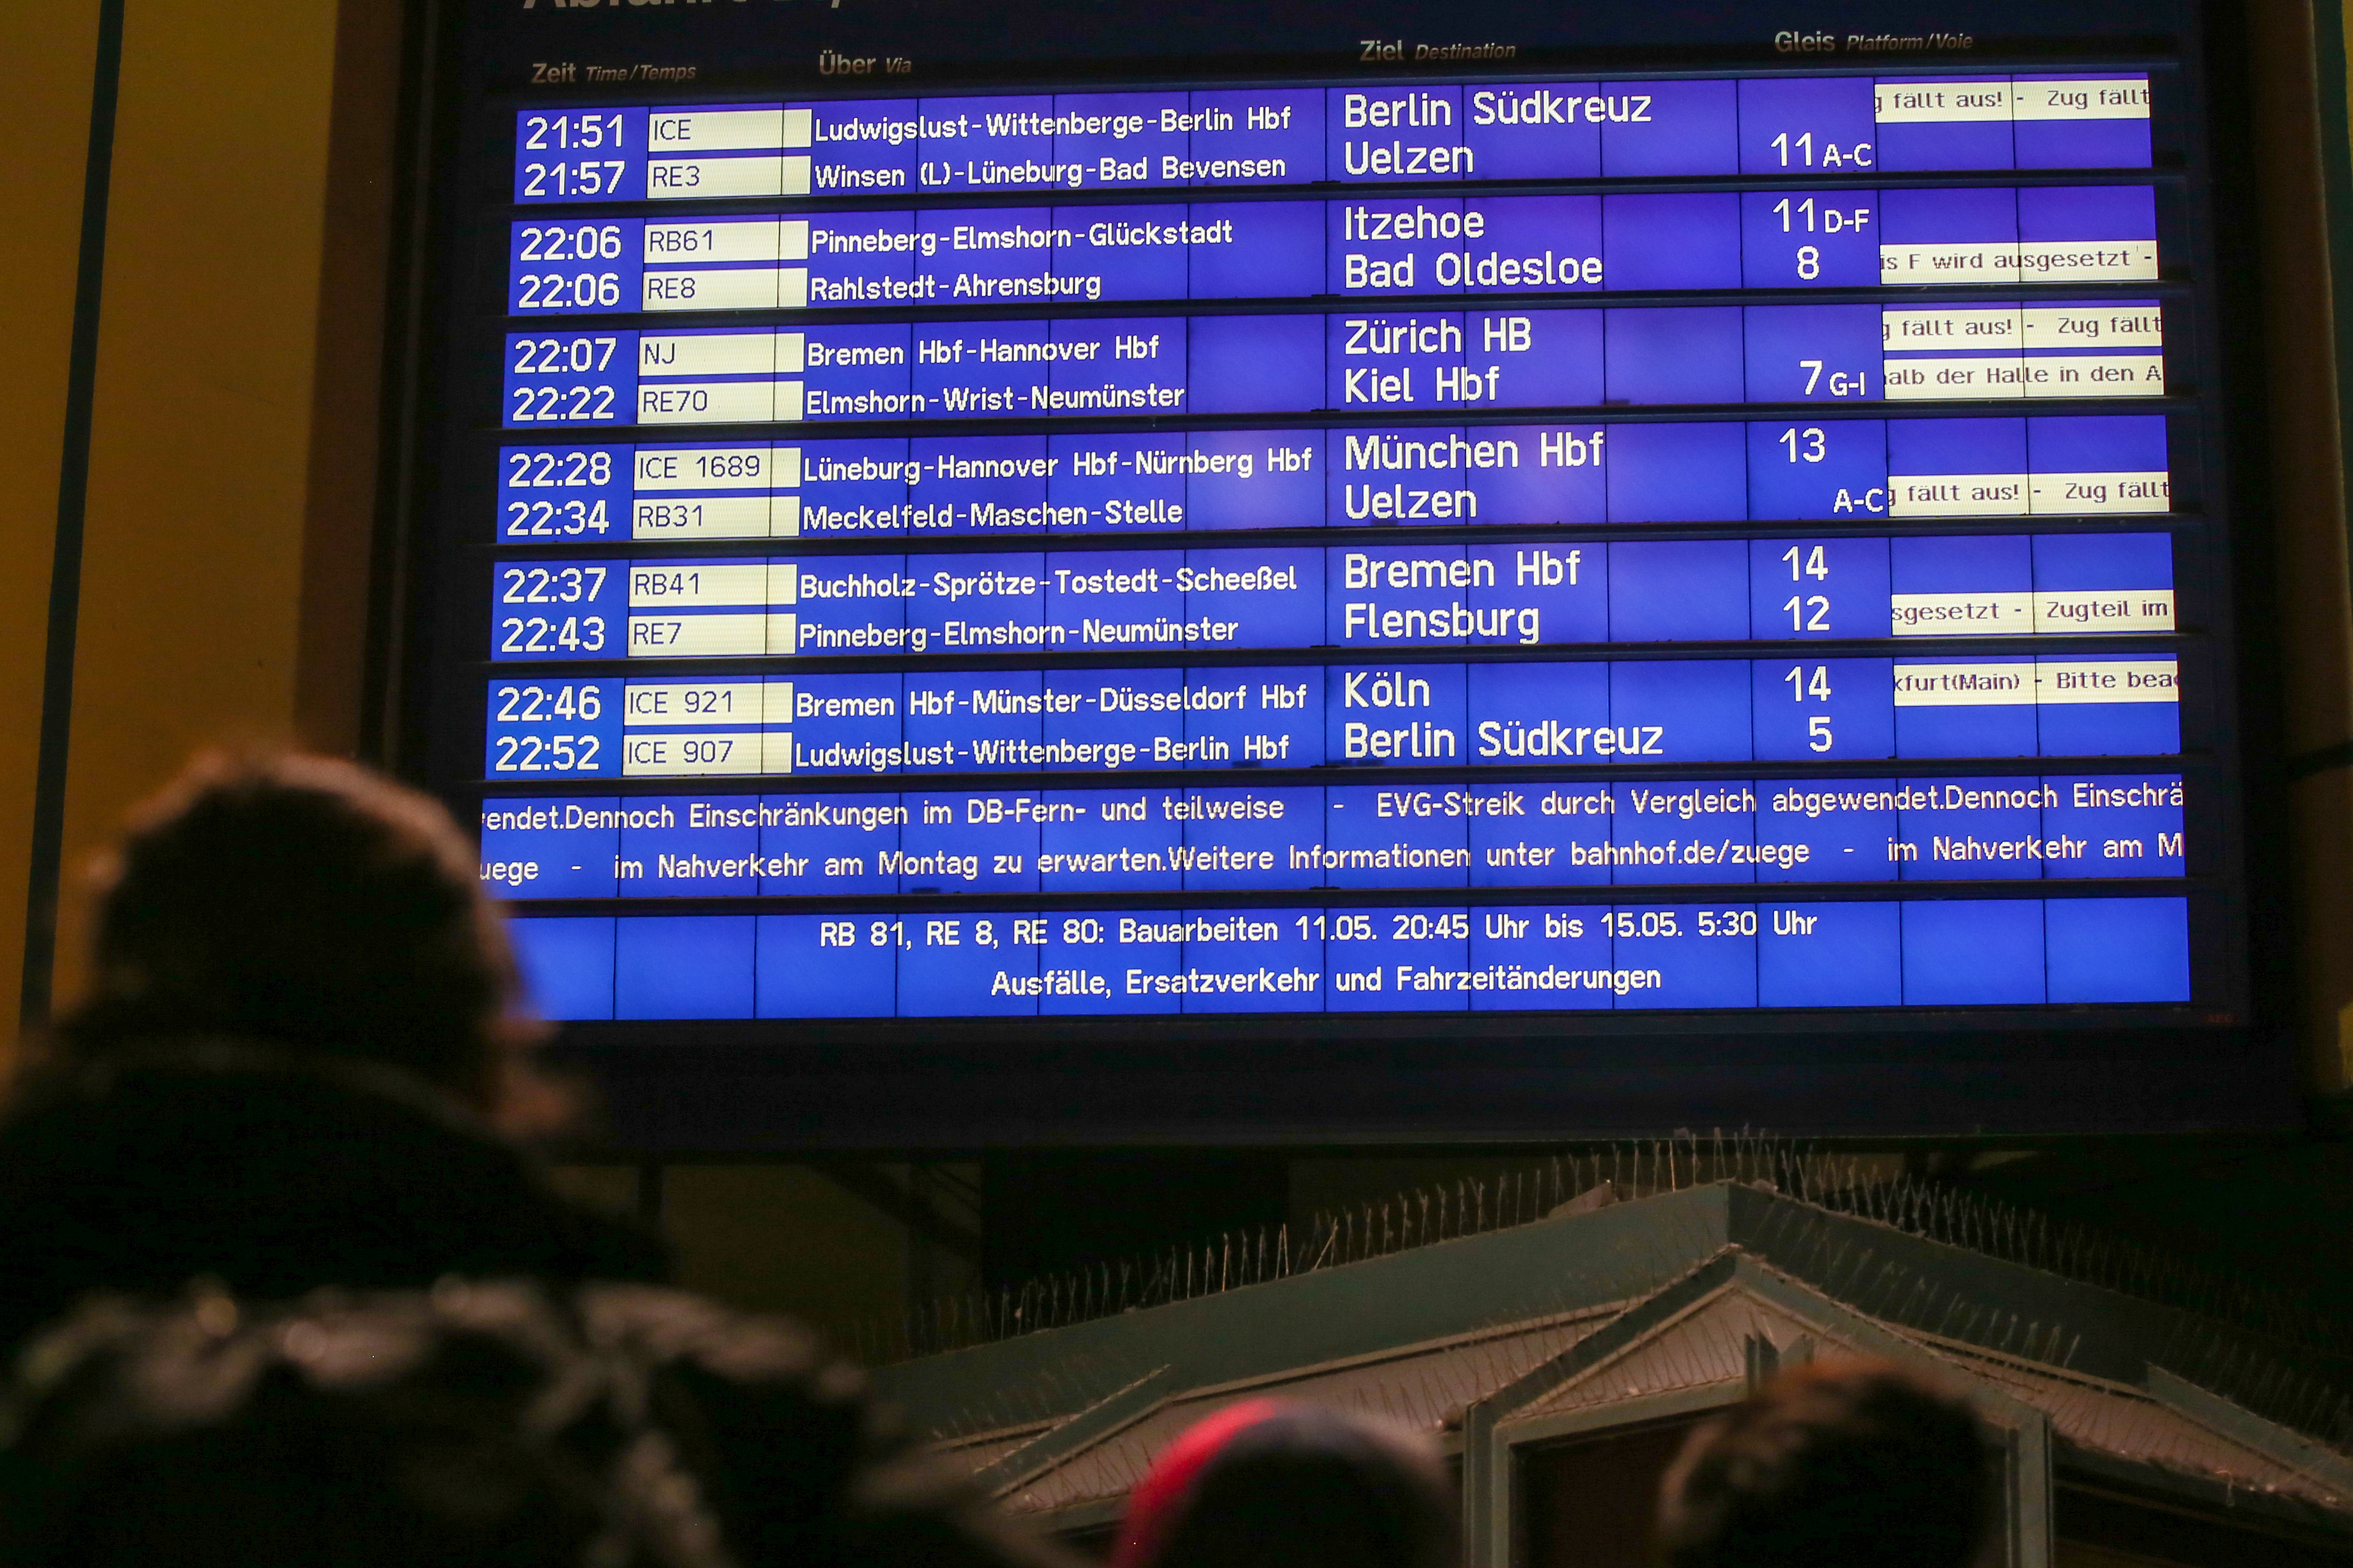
{"x": 303, "y": 1046}
{"x": 1857, "y": 1463}
{"x": 467, "y": 1426}
{"x": 1274, "y": 1484}
{"x": 302, "y": 1064}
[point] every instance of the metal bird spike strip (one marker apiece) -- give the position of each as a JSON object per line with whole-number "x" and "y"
{"x": 1591, "y": 1176}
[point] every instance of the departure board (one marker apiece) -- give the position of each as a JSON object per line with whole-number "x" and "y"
{"x": 1635, "y": 525}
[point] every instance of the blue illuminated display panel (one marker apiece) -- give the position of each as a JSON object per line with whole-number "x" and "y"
{"x": 1502, "y": 537}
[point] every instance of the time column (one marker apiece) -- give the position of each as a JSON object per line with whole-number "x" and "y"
{"x": 553, "y": 730}
{"x": 580, "y": 155}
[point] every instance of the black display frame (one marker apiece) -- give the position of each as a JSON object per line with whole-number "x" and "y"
{"x": 972, "y": 1083}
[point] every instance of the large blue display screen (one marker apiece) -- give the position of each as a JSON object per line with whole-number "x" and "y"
{"x": 1541, "y": 528}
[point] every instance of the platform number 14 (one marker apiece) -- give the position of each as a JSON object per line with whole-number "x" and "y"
{"x": 1808, "y": 612}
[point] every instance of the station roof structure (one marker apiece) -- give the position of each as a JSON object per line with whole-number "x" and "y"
{"x": 1604, "y": 1312}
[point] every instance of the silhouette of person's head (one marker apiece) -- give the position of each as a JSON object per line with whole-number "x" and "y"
{"x": 308, "y": 905}
{"x": 1856, "y": 1463}
{"x": 1269, "y": 1484}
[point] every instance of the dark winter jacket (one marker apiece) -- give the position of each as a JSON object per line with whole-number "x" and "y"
{"x": 273, "y": 1174}
{"x": 135, "y": 1192}
{"x": 470, "y": 1426}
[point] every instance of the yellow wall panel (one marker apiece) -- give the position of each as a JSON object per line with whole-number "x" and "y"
{"x": 191, "y": 561}
{"x": 52, "y": 49}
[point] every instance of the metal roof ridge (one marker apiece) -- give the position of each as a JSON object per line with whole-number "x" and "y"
{"x": 1104, "y": 1419}
{"x": 1990, "y": 1302}
{"x": 1463, "y": 1287}
{"x": 2281, "y": 1444}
